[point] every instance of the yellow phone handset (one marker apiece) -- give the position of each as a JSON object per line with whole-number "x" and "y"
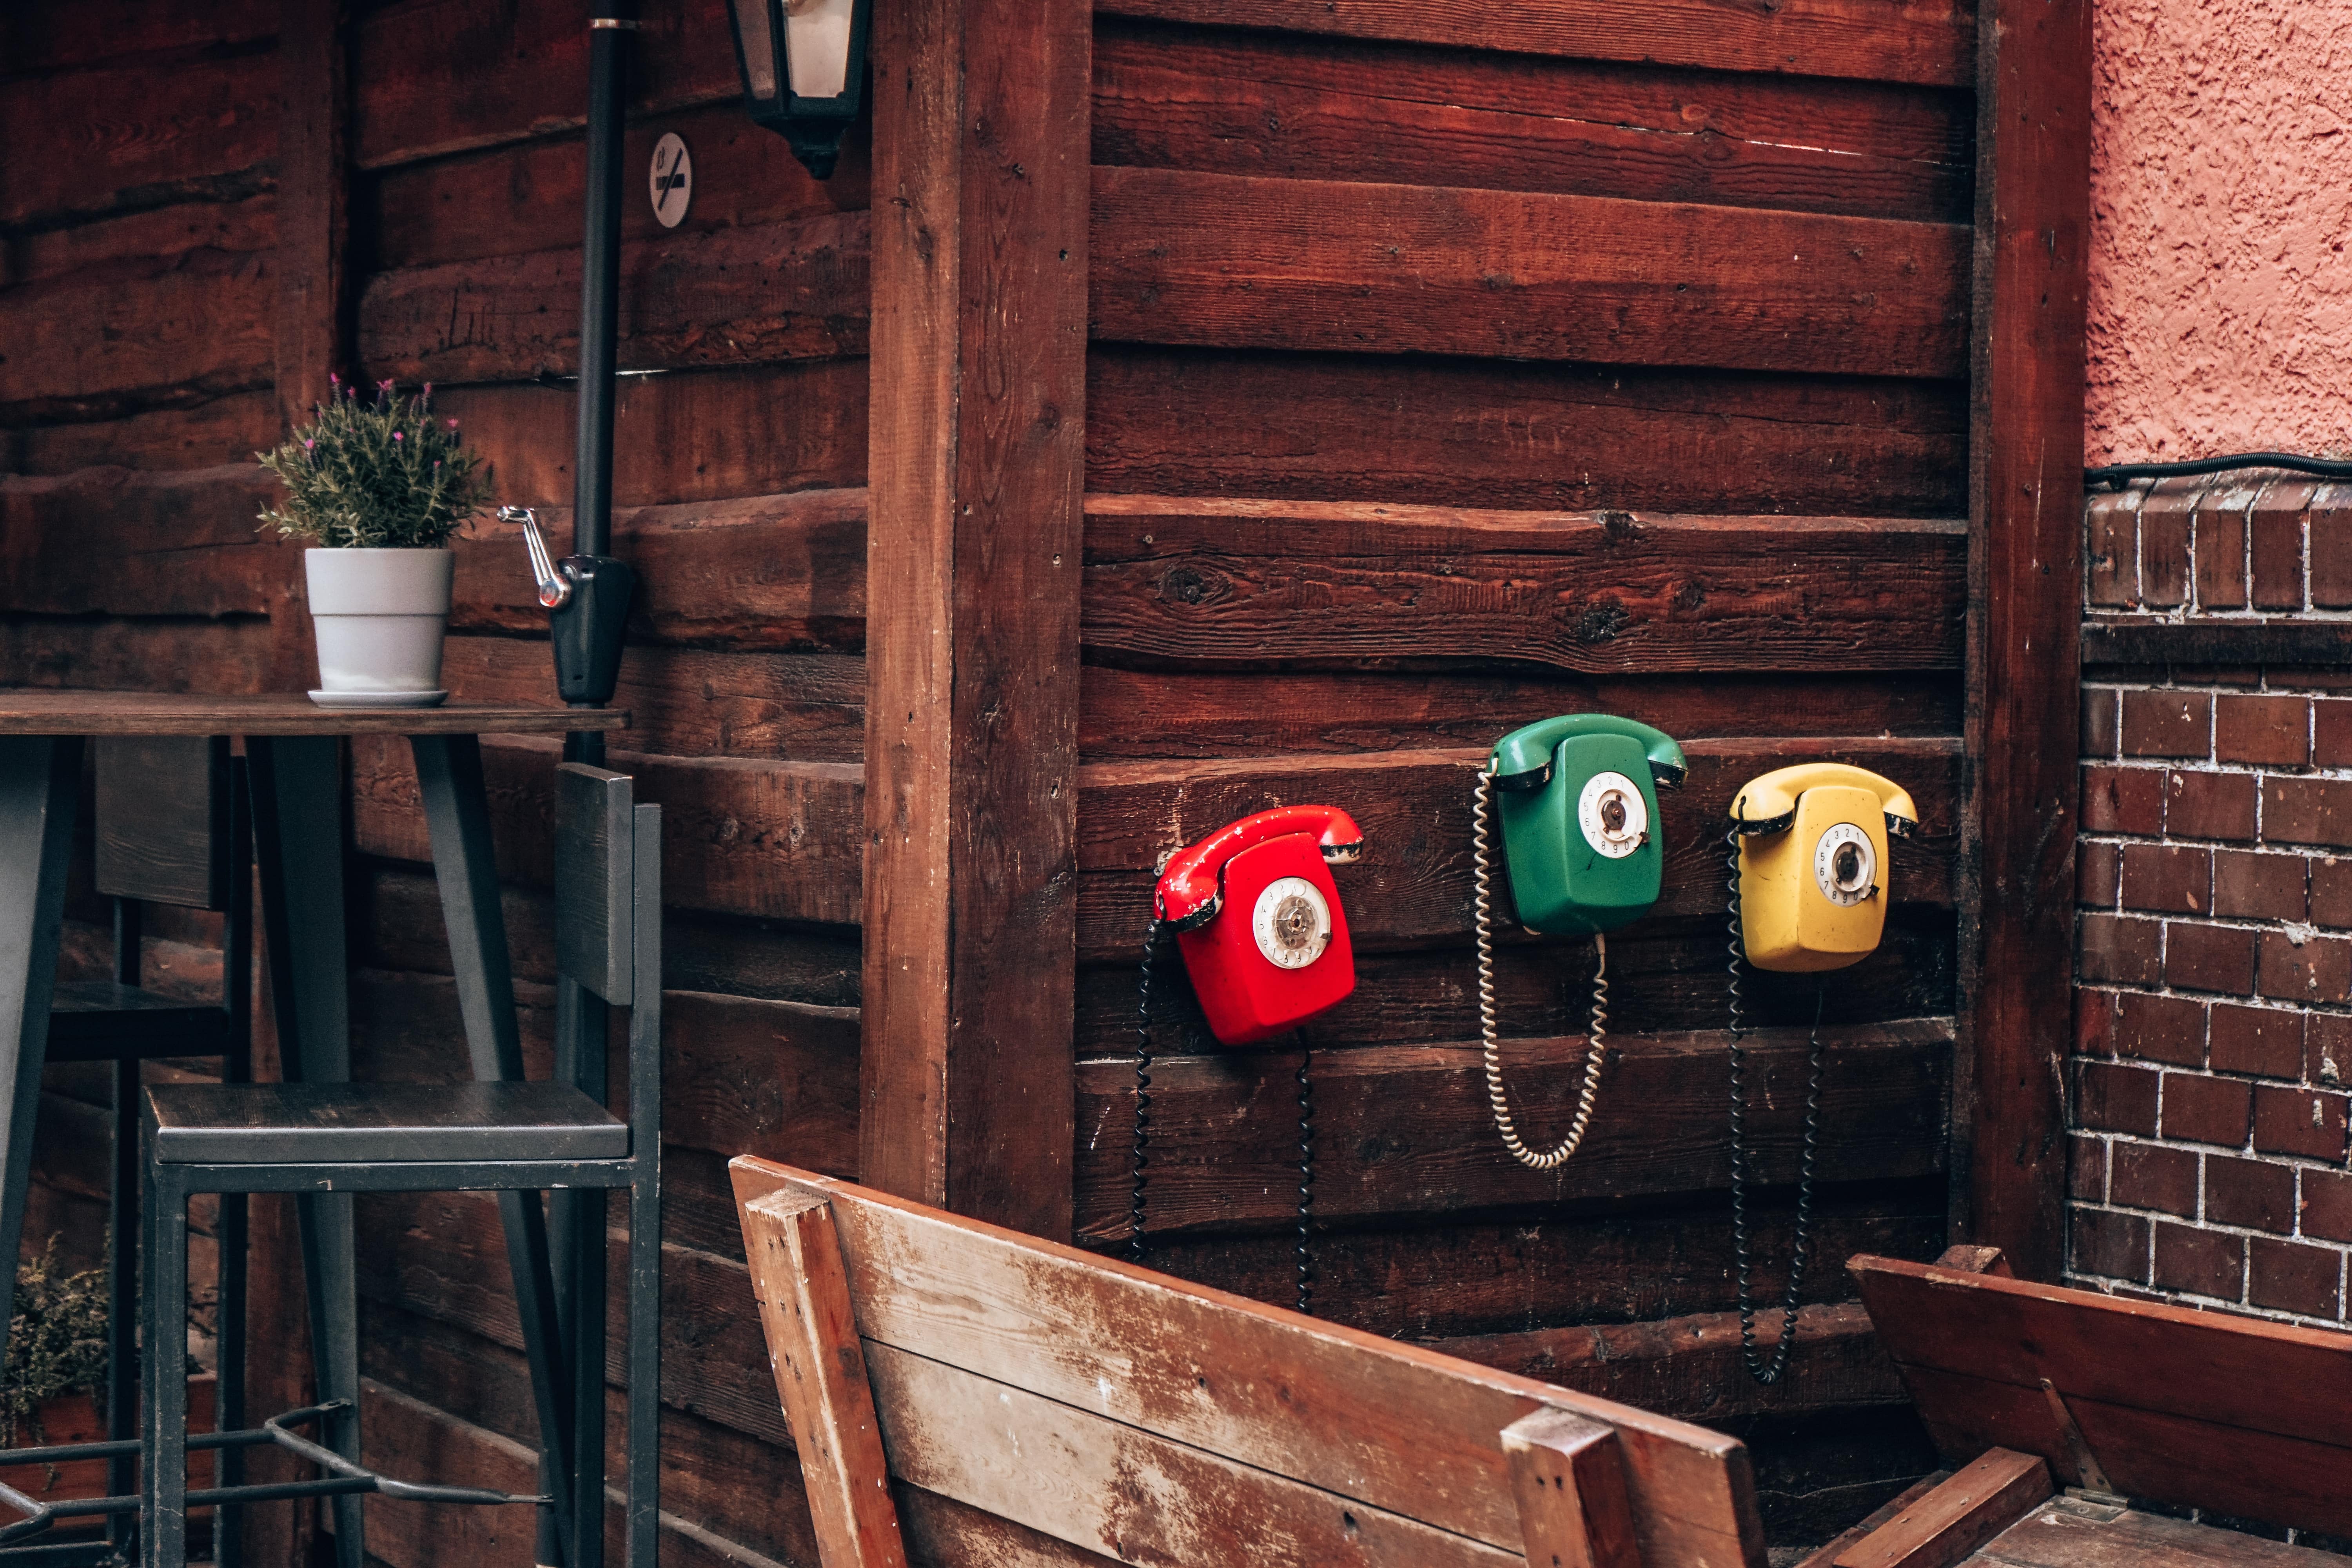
{"x": 1813, "y": 872}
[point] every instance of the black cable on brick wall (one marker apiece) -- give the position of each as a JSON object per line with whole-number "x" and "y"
{"x": 2123, "y": 473}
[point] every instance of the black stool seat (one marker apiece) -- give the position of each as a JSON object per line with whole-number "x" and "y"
{"x": 102, "y": 1020}
{"x": 350, "y": 1124}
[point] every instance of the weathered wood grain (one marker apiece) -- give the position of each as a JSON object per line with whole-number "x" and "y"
{"x": 1933, "y": 42}
{"x": 45, "y": 39}
{"x": 1548, "y": 437}
{"x": 115, "y": 542}
{"x": 224, "y": 430}
{"x": 1406, "y": 1130}
{"x": 223, "y": 655}
{"x": 526, "y": 197}
{"x": 774, "y": 839}
{"x": 1569, "y": 1481}
{"x": 791, "y": 291}
{"x": 1246, "y": 261}
{"x": 141, "y": 133}
{"x": 785, "y": 573}
{"x": 152, "y": 234}
{"x": 443, "y": 75}
{"x": 2025, "y": 549}
{"x": 694, "y": 435}
{"x": 1969, "y": 1508}
{"x": 1318, "y": 1404}
{"x": 111, "y": 341}
{"x": 1366, "y": 586}
{"x": 1690, "y": 1366}
{"x": 1327, "y": 108}
{"x": 1137, "y": 715}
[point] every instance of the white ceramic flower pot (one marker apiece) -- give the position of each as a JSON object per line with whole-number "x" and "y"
{"x": 379, "y": 615}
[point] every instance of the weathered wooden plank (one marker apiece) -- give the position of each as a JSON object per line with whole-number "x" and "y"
{"x": 778, "y": 571}
{"x": 224, "y": 656}
{"x": 791, "y": 291}
{"x": 39, "y": 38}
{"x": 1039, "y": 1319}
{"x": 443, "y": 75}
{"x": 1979, "y": 1502}
{"x": 1245, "y": 261}
{"x": 705, "y": 435}
{"x": 1333, "y": 109}
{"x": 1365, "y": 584}
{"x": 1406, "y": 1130}
{"x": 314, "y": 269}
{"x": 1145, "y": 714}
{"x": 774, "y": 839}
{"x": 2025, "y": 549}
{"x": 821, "y": 1378}
{"x": 142, "y": 133}
{"x": 1933, "y": 42}
{"x": 1078, "y": 1477}
{"x": 687, "y": 701}
{"x": 1664, "y": 974}
{"x": 944, "y": 1533}
{"x": 526, "y": 197}
{"x": 978, "y": 482}
{"x": 1571, "y": 1485}
{"x": 1547, "y": 437}
{"x": 111, "y": 341}
{"x": 113, "y": 542}
{"x": 224, "y": 430}
{"x": 1414, "y": 883}
{"x": 1690, "y": 1367}
{"x": 239, "y": 226}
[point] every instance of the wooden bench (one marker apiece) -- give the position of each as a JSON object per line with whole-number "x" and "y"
{"x": 1041, "y": 1405}
{"x": 2027, "y": 1387}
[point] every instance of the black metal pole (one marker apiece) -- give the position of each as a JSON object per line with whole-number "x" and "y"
{"x": 600, "y": 301}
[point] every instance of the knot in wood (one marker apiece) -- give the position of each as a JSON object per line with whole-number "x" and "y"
{"x": 1184, "y": 585}
{"x": 1601, "y": 623}
{"x": 1616, "y": 527}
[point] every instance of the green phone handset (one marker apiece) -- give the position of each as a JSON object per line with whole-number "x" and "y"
{"x": 1811, "y": 871}
{"x": 1581, "y": 837}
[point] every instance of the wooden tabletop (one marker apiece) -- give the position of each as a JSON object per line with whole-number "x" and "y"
{"x": 49, "y": 712}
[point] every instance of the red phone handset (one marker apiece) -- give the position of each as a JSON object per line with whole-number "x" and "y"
{"x": 1258, "y": 919}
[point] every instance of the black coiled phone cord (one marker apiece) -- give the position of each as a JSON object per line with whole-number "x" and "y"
{"x": 1757, "y": 1369}
{"x": 1140, "y": 1160}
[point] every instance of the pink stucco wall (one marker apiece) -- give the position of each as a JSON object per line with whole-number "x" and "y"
{"x": 2221, "y": 200}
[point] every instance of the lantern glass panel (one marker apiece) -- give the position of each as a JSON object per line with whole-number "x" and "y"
{"x": 816, "y": 45}
{"x": 755, "y": 32}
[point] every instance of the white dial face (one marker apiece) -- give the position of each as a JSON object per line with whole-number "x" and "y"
{"x": 1846, "y": 865}
{"x": 1611, "y": 812}
{"x": 1292, "y": 923}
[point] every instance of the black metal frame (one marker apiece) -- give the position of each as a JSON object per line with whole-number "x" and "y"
{"x": 574, "y": 1438}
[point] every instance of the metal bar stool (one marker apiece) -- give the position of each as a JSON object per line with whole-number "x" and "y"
{"x": 499, "y": 1136}
{"x": 171, "y": 828}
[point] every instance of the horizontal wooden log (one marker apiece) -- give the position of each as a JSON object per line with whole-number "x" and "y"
{"x": 1664, "y": 974}
{"x": 791, "y": 291}
{"x": 1360, "y": 585}
{"x": 1137, "y": 715}
{"x": 685, "y": 701}
{"x": 526, "y": 197}
{"x": 447, "y": 75}
{"x": 774, "y": 839}
{"x": 1414, "y": 885}
{"x": 148, "y": 234}
{"x": 114, "y": 542}
{"x": 781, "y": 571}
{"x": 1166, "y": 421}
{"x": 141, "y": 133}
{"x": 713, "y": 1478}
{"x": 41, "y": 39}
{"x": 215, "y": 656}
{"x": 1406, "y": 1130}
{"x": 1691, "y": 1367}
{"x": 694, "y": 435}
{"x": 1333, "y": 108}
{"x": 739, "y": 1075}
{"x": 106, "y": 342}
{"x": 224, "y": 430}
{"x": 1932, "y": 43}
{"x": 1221, "y": 261}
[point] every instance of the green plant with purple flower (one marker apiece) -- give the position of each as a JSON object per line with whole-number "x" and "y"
{"x": 379, "y": 474}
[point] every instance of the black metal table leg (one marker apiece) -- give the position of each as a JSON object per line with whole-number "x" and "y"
{"x": 297, "y": 783}
{"x": 164, "y": 1485}
{"x": 457, "y": 811}
{"x": 40, "y": 777}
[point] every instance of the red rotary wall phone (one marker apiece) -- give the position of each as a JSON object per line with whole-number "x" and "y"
{"x": 1264, "y": 939}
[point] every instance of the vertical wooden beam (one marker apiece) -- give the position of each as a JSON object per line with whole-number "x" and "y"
{"x": 2025, "y": 510}
{"x": 1567, "y": 1475}
{"x": 978, "y": 471}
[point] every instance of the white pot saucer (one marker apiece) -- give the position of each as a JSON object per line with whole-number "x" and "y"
{"x": 379, "y": 698}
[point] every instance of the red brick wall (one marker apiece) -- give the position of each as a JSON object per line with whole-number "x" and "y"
{"x": 2213, "y": 1007}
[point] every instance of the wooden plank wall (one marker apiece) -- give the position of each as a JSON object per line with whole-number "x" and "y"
{"x": 1444, "y": 373}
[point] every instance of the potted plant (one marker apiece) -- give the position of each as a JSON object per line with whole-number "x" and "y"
{"x": 377, "y": 487}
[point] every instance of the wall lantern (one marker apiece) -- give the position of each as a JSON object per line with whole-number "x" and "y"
{"x": 804, "y": 64}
